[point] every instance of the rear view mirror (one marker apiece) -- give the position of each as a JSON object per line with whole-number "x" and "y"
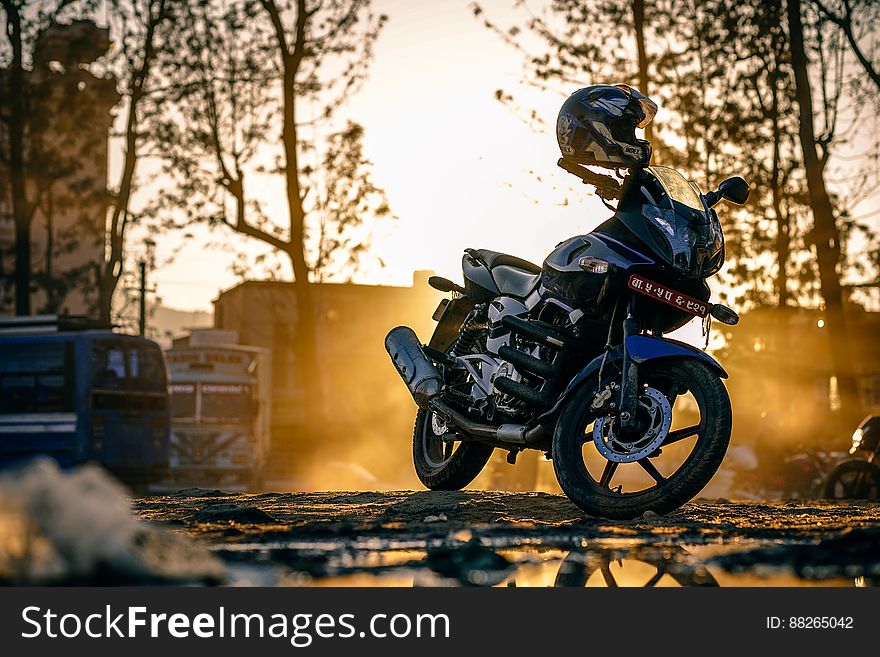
{"x": 736, "y": 190}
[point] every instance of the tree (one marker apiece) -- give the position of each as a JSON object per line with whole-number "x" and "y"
{"x": 237, "y": 68}
{"x": 826, "y": 235}
{"x": 851, "y": 16}
{"x": 53, "y": 150}
{"x": 22, "y": 207}
{"x": 138, "y": 25}
{"x": 758, "y": 128}
{"x": 347, "y": 204}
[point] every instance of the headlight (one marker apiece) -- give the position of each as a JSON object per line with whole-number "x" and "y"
{"x": 857, "y": 439}
{"x": 664, "y": 219}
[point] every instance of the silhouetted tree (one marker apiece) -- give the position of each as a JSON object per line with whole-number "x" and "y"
{"x": 21, "y": 30}
{"x": 138, "y": 26}
{"x": 52, "y": 155}
{"x": 347, "y": 206}
{"x": 855, "y": 18}
{"x": 243, "y": 71}
{"x": 826, "y": 234}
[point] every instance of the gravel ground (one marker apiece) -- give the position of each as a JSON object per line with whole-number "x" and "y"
{"x": 474, "y": 537}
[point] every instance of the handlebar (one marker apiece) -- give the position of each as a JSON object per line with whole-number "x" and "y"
{"x": 606, "y": 186}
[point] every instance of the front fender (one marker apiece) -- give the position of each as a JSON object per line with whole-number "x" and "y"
{"x": 644, "y": 347}
{"x": 641, "y": 348}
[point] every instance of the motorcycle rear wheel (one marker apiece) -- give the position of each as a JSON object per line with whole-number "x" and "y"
{"x": 444, "y": 465}
{"x": 596, "y": 495}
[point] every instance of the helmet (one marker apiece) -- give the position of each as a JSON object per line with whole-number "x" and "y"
{"x": 597, "y": 125}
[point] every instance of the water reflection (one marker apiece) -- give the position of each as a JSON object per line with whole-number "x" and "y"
{"x": 642, "y": 566}
{"x": 639, "y": 567}
{"x": 474, "y": 564}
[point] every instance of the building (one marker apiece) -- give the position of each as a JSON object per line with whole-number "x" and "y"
{"x": 66, "y": 139}
{"x": 368, "y": 407}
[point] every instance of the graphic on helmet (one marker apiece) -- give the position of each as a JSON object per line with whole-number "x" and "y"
{"x": 597, "y": 124}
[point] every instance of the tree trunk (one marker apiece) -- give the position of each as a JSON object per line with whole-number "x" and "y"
{"x": 825, "y": 235}
{"x": 21, "y": 212}
{"x": 305, "y": 345}
{"x": 638, "y": 11}
{"x": 107, "y": 283}
{"x": 783, "y": 236}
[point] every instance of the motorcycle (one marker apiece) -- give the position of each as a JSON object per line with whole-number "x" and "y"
{"x": 858, "y": 478}
{"x": 570, "y": 357}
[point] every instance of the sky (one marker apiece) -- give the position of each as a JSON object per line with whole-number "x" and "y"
{"x": 453, "y": 161}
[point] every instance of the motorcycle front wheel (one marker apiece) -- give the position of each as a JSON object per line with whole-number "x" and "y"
{"x": 622, "y": 476}
{"x": 853, "y": 480}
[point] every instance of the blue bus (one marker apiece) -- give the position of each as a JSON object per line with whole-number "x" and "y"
{"x": 83, "y": 395}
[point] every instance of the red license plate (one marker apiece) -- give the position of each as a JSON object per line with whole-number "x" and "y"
{"x": 668, "y": 296}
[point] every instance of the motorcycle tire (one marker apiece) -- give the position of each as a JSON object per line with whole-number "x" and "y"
{"x": 683, "y": 484}
{"x": 578, "y": 567}
{"x": 437, "y": 472}
{"x": 866, "y": 484}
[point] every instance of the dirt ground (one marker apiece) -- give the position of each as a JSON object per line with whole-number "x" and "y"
{"x": 473, "y": 537}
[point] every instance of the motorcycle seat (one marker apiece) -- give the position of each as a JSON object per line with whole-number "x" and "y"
{"x": 494, "y": 259}
{"x": 513, "y": 281}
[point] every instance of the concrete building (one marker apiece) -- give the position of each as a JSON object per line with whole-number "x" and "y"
{"x": 67, "y": 127}
{"x": 363, "y": 395}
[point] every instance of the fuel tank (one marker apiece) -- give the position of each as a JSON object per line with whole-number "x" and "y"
{"x": 580, "y": 269}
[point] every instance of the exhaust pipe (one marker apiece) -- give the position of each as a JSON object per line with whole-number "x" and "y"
{"x": 424, "y": 383}
{"x": 418, "y": 373}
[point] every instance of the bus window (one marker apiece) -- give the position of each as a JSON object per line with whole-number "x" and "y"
{"x": 225, "y": 402}
{"x": 183, "y": 401}
{"x": 108, "y": 362}
{"x": 147, "y": 368}
{"x": 36, "y": 378}
{"x": 127, "y": 376}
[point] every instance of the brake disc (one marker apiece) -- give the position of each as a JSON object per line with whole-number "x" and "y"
{"x": 438, "y": 426}
{"x": 654, "y": 408}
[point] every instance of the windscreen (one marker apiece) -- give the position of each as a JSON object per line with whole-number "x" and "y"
{"x": 127, "y": 365}
{"x": 677, "y": 187}
{"x": 183, "y": 401}
{"x": 227, "y": 402}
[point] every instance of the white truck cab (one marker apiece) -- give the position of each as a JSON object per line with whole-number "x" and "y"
{"x": 220, "y": 410}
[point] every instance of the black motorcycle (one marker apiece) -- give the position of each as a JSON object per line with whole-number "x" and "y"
{"x": 570, "y": 359}
{"x": 858, "y": 478}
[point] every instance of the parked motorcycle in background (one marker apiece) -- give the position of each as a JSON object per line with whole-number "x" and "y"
{"x": 859, "y": 477}
{"x": 570, "y": 358}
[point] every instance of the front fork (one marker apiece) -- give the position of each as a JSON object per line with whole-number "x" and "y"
{"x": 629, "y": 386}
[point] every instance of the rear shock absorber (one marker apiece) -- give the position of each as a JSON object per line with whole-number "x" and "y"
{"x": 474, "y": 325}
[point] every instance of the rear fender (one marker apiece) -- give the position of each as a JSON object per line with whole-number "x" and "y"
{"x": 642, "y": 348}
{"x": 452, "y": 315}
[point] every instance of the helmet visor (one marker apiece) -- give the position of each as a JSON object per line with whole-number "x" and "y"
{"x": 648, "y": 106}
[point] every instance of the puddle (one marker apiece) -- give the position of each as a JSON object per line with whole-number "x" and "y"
{"x": 529, "y": 566}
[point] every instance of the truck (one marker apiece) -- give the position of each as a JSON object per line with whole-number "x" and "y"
{"x": 220, "y": 410}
